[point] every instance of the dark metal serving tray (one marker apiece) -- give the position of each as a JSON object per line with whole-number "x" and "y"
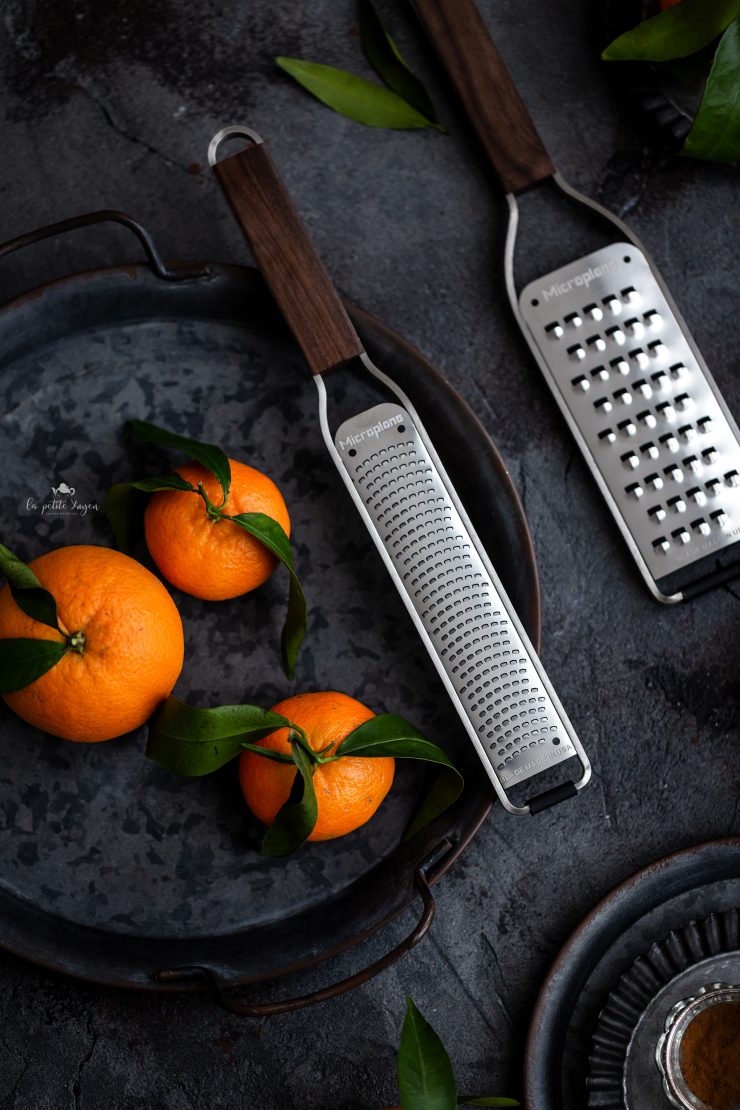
{"x": 111, "y": 868}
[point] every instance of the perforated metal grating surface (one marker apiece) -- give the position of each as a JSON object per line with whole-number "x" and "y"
{"x": 654, "y": 426}
{"x": 475, "y": 641}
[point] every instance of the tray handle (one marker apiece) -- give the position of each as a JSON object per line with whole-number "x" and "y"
{"x": 105, "y": 216}
{"x": 223, "y": 998}
{"x": 489, "y": 96}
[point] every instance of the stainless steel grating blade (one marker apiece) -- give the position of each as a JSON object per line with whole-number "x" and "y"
{"x": 436, "y": 561}
{"x": 623, "y": 367}
{"x": 475, "y": 639}
{"x": 640, "y": 401}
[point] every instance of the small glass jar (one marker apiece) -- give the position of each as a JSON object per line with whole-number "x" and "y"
{"x": 668, "y": 1049}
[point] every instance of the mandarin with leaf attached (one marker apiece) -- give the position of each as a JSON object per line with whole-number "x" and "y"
{"x": 348, "y": 789}
{"x": 205, "y": 554}
{"x": 120, "y": 639}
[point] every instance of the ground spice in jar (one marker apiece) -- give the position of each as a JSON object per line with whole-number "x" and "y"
{"x": 710, "y": 1056}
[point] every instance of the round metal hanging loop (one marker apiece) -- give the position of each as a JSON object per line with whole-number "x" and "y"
{"x": 233, "y": 130}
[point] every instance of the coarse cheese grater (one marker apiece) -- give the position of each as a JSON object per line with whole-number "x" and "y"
{"x": 454, "y": 597}
{"x": 619, "y": 359}
{"x": 643, "y": 408}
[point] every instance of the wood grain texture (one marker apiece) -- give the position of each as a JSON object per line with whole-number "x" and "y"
{"x": 488, "y": 94}
{"x": 287, "y": 258}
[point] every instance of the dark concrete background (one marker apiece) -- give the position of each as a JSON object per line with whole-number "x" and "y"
{"x": 113, "y": 106}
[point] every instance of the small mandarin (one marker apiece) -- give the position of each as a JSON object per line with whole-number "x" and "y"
{"x": 131, "y": 645}
{"x": 213, "y": 559}
{"x": 348, "y": 791}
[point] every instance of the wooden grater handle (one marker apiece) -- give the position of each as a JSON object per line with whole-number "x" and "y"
{"x": 286, "y": 256}
{"x": 488, "y": 94}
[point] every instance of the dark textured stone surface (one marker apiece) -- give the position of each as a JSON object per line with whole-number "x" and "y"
{"x": 113, "y": 106}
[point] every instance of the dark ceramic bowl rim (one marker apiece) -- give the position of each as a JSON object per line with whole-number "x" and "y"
{"x": 590, "y": 940}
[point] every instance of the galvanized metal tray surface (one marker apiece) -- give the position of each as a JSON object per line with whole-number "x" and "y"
{"x": 111, "y": 868}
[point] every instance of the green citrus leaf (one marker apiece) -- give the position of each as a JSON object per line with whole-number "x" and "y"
{"x": 674, "y": 33}
{"x": 385, "y": 58}
{"x": 297, "y": 818}
{"x": 28, "y": 593}
{"x": 353, "y": 96}
{"x": 389, "y": 735}
{"x": 193, "y": 741}
{"x": 715, "y": 132}
{"x": 386, "y": 734}
{"x": 124, "y": 505}
{"x": 487, "y": 1100}
{"x": 444, "y": 791}
{"x": 22, "y": 661}
{"x": 207, "y": 454}
{"x": 425, "y": 1076}
{"x": 267, "y": 753}
{"x": 163, "y": 482}
{"x": 270, "y": 533}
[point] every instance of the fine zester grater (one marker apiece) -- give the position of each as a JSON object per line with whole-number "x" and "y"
{"x": 454, "y": 596}
{"x": 619, "y": 359}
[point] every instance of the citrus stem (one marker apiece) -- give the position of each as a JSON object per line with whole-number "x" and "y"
{"x": 76, "y": 642}
{"x": 298, "y": 736}
{"x": 214, "y": 511}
